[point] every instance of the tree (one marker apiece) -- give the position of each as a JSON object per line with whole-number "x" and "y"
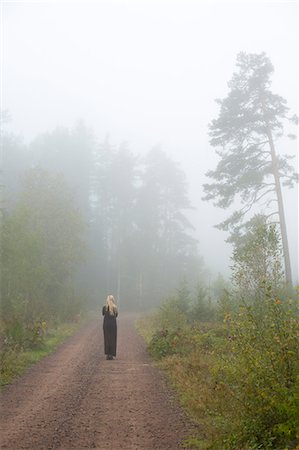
{"x": 13, "y": 162}
{"x": 251, "y": 119}
{"x": 70, "y": 152}
{"x": 167, "y": 248}
{"x": 42, "y": 246}
{"x": 257, "y": 260}
{"x": 113, "y": 227}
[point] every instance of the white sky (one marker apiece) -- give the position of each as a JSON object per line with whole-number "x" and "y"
{"x": 146, "y": 72}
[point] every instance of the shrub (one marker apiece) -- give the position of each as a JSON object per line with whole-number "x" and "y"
{"x": 239, "y": 379}
{"x": 202, "y": 308}
{"x": 260, "y": 369}
{"x": 19, "y": 336}
{"x": 165, "y": 343}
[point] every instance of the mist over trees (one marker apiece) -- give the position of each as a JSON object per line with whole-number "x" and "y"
{"x": 130, "y": 212}
{"x": 139, "y": 243}
{"x": 41, "y": 246}
{"x": 250, "y": 121}
{"x": 135, "y": 234}
{"x": 82, "y": 217}
{"x": 138, "y": 225}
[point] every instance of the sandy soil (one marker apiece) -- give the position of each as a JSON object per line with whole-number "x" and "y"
{"x": 75, "y": 399}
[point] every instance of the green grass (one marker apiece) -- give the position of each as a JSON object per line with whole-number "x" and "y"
{"x": 14, "y": 363}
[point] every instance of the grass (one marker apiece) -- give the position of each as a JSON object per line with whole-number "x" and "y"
{"x": 14, "y": 363}
{"x": 190, "y": 376}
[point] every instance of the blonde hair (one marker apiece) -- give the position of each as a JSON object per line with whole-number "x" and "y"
{"x": 111, "y": 305}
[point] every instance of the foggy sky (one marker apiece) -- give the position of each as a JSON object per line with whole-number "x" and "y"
{"x": 146, "y": 72}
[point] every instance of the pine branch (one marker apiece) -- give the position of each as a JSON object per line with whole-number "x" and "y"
{"x": 272, "y": 214}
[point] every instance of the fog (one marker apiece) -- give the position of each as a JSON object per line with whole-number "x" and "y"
{"x": 147, "y": 73}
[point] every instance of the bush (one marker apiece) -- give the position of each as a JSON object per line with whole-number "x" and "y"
{"x": 260, "y": 369}
{"x": 165, "y": 343}
{"x": 19, "y": 336}
{"x": 239, "y": 379}
{"x": 14, "y": 359}
{"x": 202, "y": 309}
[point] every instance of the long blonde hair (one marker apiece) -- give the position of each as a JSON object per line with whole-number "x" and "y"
{"x": 111, "y": 305}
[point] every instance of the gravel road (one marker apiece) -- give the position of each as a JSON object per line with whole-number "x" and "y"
{"x": 75, "y": 399}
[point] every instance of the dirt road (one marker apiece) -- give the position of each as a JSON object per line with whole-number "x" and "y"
{"x": 75, "y": 399}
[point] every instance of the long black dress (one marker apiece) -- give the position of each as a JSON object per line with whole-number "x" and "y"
{"x": 110, "y": 332}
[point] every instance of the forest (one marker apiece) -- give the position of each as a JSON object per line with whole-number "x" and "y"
{"x": 232, "y": 349}
{"x": 82, "y": 218}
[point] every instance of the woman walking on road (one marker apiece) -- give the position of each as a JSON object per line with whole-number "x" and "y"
{"x": 110, "y": 313}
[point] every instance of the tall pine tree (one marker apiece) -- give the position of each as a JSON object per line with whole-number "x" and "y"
{"x": 250, "y": 121}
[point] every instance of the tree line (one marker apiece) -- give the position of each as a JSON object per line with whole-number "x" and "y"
{"x": 82, "y": 219}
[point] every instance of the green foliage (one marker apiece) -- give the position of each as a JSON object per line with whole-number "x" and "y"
{"x": 169, "y": 337}
{"x": 260, "y": 367}
{"x": 165, "y": 343}
{"x": 194, "y": 442}
{"x": 15, "y": 359}
{"x": 135, "y": 208}
{"x": 239, "y": 379}
{"x": 257, "y": 258}
{"x": 18, "y": 335}
{"x": 202, "y": 309}
{"x": 41, "y": 247}
{"x": 226, "y": 305}
{"x": 182, "y": 297}
{"x": 171, "y": 315}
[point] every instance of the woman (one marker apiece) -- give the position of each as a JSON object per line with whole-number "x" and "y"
{"x": 110, "y": 313}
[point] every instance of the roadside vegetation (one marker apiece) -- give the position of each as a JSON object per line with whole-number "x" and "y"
{"x": 41, "y": 247}
{"x": 234, "y": 356}
{"x": 233, "y": 352}
{"x": 16, "y": 356}
{"x": 90, "y": 217}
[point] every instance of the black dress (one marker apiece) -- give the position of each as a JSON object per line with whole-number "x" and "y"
{"x": 110, "y": 331}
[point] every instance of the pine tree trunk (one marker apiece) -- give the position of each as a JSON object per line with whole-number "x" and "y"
{"x": 283, "y": 228}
